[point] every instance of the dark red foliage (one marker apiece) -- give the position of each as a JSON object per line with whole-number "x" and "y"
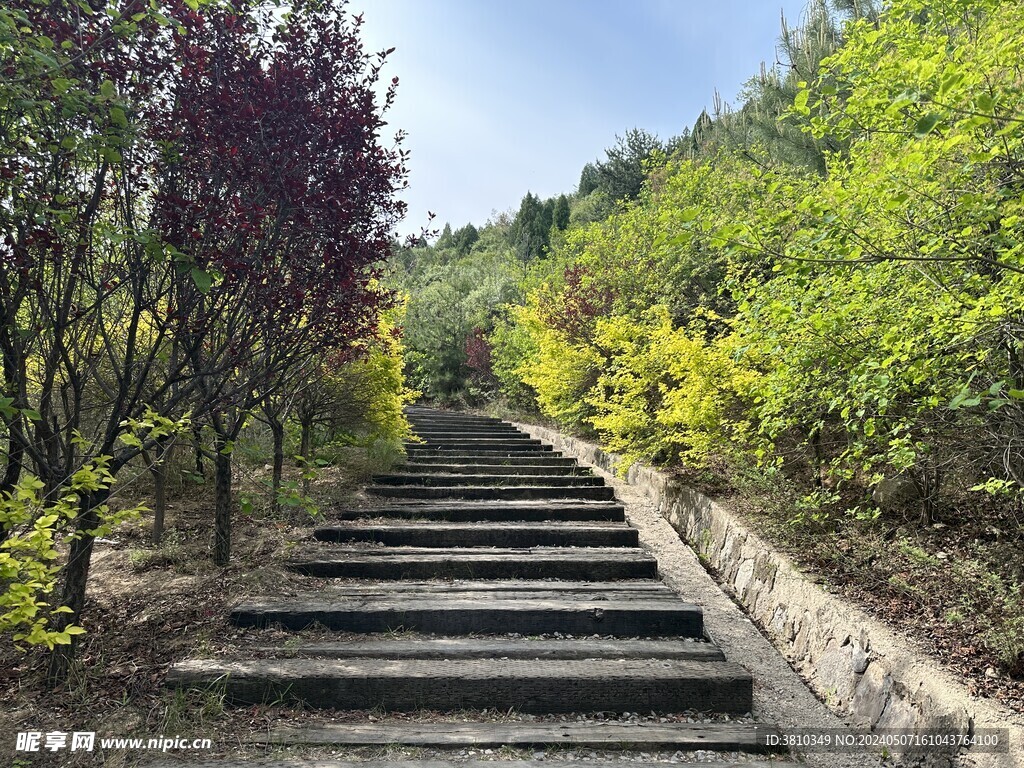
{"x": 478, "y": 353}
{"x": 275, "y": 178}
{"x": 583, "y": 299}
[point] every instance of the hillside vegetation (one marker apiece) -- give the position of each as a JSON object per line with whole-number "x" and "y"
{"x": 813, "y": 298}
{"x": 182, "y": 296}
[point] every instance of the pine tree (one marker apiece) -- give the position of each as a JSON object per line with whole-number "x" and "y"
{"x": 561, "y": 213}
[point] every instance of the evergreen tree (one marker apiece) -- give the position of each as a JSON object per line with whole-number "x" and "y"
{"x": 445, "y": 240}
{"x": 561, "y": 213}
{"x": 463, "y": 239}
{"x": 590, "y": 179}
{"x": 702, "y": 133}
{"x": 528, "y": 234}
{"x": 622, "y": 174}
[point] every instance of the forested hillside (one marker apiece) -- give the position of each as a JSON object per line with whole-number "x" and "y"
{"x": 812, "y": 297}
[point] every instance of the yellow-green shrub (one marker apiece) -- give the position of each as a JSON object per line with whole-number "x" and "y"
{"x": 666, "y": 393}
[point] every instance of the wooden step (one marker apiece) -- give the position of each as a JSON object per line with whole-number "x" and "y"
{"x": 491, "y": 492}
{"x": 483, "y": 511}
{"x": 439, "y": 479}
{"x": 517, "y": 534}
{"x": 441, "y": 433}
{"x": 499, "y": 587}
{"x": 507, "y": 563}
{"x": 462, "y": 459}
{"x": 719, "y": 737}
{"x": 516, "y": 442}
{"x": 533, "y": 563}
{"x": 494, "y": 469}
{"x": 743, "y": 737}
{"x": 504, "y": 648}
{"x": 523, "y": 685}
{"x": 427, "y": 420}
{"x": 454, "y": 762}
{"x": 613, "y": 615}
{"x": 518, "y": 449}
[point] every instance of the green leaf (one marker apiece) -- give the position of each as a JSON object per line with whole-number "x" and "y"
{"x": 202, "y": 279}
{"x": 800, "y": 102}
{"x": 107, "y": 90}
{"x": 985, "y": 102}
{"x": 45, "y": 58}
{"x": 949, "y": 83}
{"x": 927, "y": 124}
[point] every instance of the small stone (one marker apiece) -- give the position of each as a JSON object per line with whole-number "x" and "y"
{"x": 991, "y": 673}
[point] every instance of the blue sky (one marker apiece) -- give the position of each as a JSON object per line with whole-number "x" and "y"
{"x": 499, "y": 97}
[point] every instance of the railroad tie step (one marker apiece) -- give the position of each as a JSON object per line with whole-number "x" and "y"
{"x": 458, "y": 421}
{"x": 613, "y": 616}
{"x": 534, "y": 459}
{"x": 502, "y": 589}
{"x": 592, "y": 563}
{"x": 523, "y": 685}
{"x": 516, "y": 534}
{"x": 517, "y": 440}
{"x": 442, "y": 479}
{"x": 486, "y": 511}
{"x": 719, "y": 737}
{"x": 454, "y": 762}
{"x": 513, "y": 450}
{"x": 441, "y": 433}
{"x": 492, "y": 492}
{"x": 472, "y": 467}
{"x": 503, "y": 648}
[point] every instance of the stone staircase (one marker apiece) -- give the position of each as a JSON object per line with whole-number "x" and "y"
{"x": 493, "y": 574}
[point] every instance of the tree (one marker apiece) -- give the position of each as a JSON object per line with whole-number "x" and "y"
{"x": 589, "y": 180}
{"x": 292, "y": 270}
{"x": 621, "y": 175}
{"x": 445, "y": 240}
{"x": 701, "y": 133}
{"x": 86, "y": 338}
{"x": 464, "y": 238}
{"x": 531, "y": 228}
{"x": 561, "y": 213}
{"x": 159, "y": 255}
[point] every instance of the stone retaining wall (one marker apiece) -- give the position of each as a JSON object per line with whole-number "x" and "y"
{"x": 859, "y": 667}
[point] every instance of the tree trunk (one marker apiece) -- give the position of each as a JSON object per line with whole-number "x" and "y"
{"x": 277, "y": 428}
{"x": 158, "y": 470}
{"x": 222, "y": 508}
{"x": 15, "y": 457}
{"x": 305, "y": 447}
{"x": 818, "y": 459}
{"x": 76, "y": 576}
{"x": 197, "y": 444}
{"x": 928, "y": 484}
